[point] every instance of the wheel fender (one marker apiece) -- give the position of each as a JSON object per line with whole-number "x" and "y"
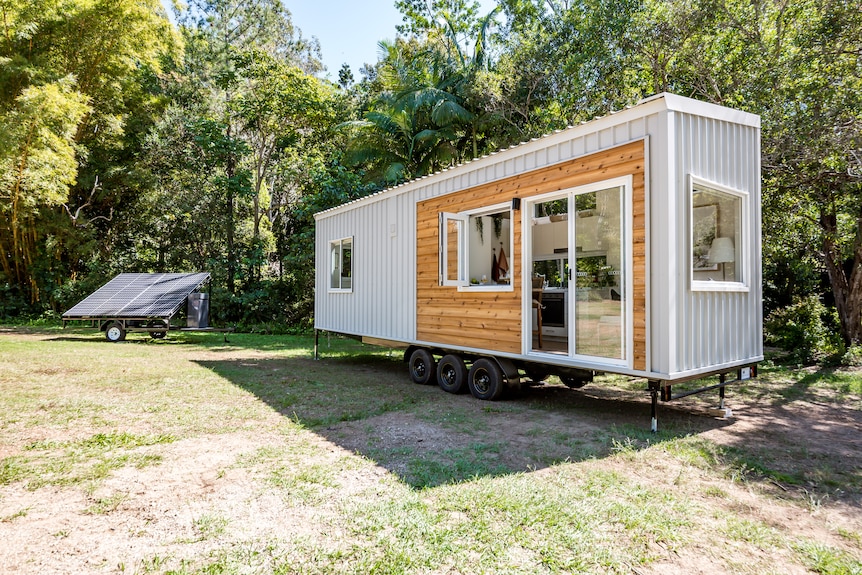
{"x": 408, "y": 352}
{"x": 513, "y": 378}
{"x": 105, "y": 324}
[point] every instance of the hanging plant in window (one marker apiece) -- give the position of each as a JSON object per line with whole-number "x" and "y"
{"x": 498, "y": 225}
{"x": 497, "y": 219}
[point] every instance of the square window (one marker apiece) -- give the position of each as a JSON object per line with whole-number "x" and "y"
{"x": 489, "y": 240}
{"x": 717, "y": 239}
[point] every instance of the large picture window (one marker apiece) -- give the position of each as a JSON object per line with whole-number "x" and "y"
{"x": 717, "y": 237}
{"x": 476, "y": 249}
{"x": 341, "y": 265}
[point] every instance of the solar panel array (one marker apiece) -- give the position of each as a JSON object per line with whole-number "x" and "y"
{"x": 138, "y": 296}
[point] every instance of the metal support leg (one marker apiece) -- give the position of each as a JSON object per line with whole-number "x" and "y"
{"x": 721, "y": 392}
{"x": 653, "y": 391}
{"x": 316, "y": 341}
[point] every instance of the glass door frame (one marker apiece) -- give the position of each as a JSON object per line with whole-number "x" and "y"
{"x": 624, "y": 182}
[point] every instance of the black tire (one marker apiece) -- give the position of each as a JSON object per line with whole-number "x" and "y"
{"x": 422, "y": 368}
{"x": 536, "y": 373}
{"x": 573, "y": 382}
{"x": 157, "y": 323}
{"x": 486, "y": 380}
{"x": 452, "y": 374}
{"x": 115, "y": 332}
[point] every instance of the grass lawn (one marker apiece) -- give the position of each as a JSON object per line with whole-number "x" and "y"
{"x": 192, "y": 455}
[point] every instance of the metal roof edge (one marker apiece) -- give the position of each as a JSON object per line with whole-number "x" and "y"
{"x": 656, "y": 103}
{"x": 677, "y": 103}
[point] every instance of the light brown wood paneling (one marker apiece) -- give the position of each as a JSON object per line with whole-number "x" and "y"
{"x": 492, "y": 320}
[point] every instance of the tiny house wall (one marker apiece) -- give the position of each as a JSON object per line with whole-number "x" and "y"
{"x": 713, "y": 310}
{"x": 381, "y": 300}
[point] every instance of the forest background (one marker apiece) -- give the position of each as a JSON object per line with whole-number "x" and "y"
{"x": 131, "y": 142}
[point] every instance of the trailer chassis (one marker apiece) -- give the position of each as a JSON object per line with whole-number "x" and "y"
{"x": 496, "y": 376}
{"x": 115, "y": 328}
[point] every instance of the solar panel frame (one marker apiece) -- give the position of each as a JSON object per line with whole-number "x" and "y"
{"x": 138, "y": 296}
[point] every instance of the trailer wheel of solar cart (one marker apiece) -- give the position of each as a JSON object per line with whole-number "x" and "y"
{"x": 115, "y": 331}
{"x": 158, "y": 323}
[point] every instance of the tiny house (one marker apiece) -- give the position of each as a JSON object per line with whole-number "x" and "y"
{"x": 629, "y": 244}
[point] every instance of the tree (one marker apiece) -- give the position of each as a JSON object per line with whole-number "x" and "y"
{"x": 221, "y": 29}
{"x": 264, "y": 25}
{"x": 37, "y": 167}
{"x": 797, "y": 65}
{"x": 345, "y": 76}
{"x": 397, "y": 139}
{"x": 59, "y": 56}
{"x": 427, "y": 114}
{"x": 279, "y": 109}
{"x": 813, "y": 142}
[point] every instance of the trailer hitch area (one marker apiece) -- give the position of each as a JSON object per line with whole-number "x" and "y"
{"x": 664, "y": 390}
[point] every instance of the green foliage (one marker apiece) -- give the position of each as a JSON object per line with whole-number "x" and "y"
{"x": 37, "y": 167}
{"x": 129, "y": 145}
{"x": 827, "y": 560}
{"x": 805, "y": 329}
{"x": 853, "y": 356}
{"x": 427, "y": 113}
{"x": 71, "y": 102}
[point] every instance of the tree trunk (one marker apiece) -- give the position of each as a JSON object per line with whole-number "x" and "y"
{"x": 847, "y": 291}
{"x": 230, "y": 168}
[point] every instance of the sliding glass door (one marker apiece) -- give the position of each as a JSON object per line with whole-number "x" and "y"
{"x": 580, "y": 273}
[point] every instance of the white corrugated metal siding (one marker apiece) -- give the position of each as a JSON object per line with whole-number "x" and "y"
{"x": 382, "y": 303}
{"x": 715, "y": 328}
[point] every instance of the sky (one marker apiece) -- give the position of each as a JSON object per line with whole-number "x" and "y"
{"x": 349, "y": 30}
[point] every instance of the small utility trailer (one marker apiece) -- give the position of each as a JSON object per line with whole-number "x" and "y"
{"x": 629, "y": 245}
{"x": 148, "y": 303}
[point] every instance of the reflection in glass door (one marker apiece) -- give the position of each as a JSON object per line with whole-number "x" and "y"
{"x": 550, "y": 276}
{"x": 599, "y": 290}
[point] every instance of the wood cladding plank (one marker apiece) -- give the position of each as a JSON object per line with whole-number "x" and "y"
{"x": 492, "y": 320}
{"x": 480, "y": 340}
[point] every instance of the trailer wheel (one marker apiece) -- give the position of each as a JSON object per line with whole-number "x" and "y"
{"x": 115, "y": 332}
{"x": 422, "y": 368}
{"x": 157, "y": 334}
{"x": 452, "y": 374}
{"x": 486, "y": 379}
{"x": 573, "y": 381}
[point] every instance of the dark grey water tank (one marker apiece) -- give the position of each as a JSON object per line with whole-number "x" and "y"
{"x": 199, "y": 310}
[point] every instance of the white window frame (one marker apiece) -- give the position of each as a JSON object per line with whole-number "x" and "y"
{"x": 463, "y": 281}
{"x": 743, "y": 236}
{"x": 461, "y": 263}
{"x": 340, "y": 243}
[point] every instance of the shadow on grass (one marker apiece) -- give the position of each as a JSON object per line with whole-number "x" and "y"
{"x": 828, "y": 377}
{"x": 366, "y": 403}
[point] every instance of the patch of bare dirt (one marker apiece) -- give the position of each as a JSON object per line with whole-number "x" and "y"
{"x": 162, "y": 511}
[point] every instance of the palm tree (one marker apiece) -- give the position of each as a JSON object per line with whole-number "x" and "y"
{"x": 425, "y": 118}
